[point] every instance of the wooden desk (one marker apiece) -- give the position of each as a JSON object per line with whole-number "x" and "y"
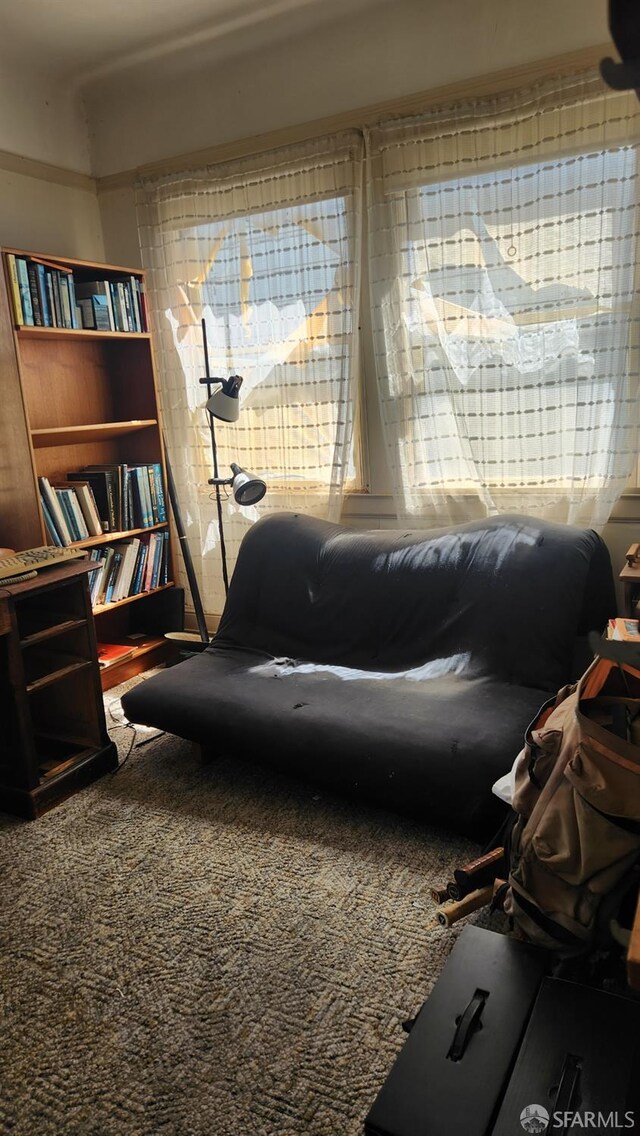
{"x": 630, "y": 580}
{"x": 54, "y": 736}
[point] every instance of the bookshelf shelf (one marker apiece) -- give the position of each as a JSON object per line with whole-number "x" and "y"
{"x": 51, "y": 632}
{"x": 92, "y": 432}
{"x": 25, "y": 332}
{"x": 57, "y": 675}
{"x": 152, "y": 651}
{"x": 77, "y": 401}
{"x": 111, "y": 538}
{"x": 51, "y": 768}
{"x": 129, "y": 600}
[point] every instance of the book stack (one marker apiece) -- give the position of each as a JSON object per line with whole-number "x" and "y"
{"x": 42, "y": 292}
{"x": 45, "y": 293}
{"x": 111, "y": 653}
{"x": 625, "y": 630}
{"x": 112, "y": 305}
{"x": 70, "y": 511}
{"x": 129, "y": 568}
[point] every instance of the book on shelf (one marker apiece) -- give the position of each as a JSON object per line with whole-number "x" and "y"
{"x": 65, "y": 303}
{"x": 92, "y": 294}
{"x": 15, "y": 288}
{"x": 35, "y": 294}
{"x": 49, "y": 523}
{"x": 98, "y": 557}
{"x": 157, "y": 556}
{"x": 73, "y": 303}
{"x": 87, "y": 502}
{"x": 44, "y": 295}
{"x": 129, "y": 568}
{"x": 136, "y": 308}
{"x": 103, "y": 484}
{"x": 95, "y": 314}
{"x": 113, "y": 573}
{"x": 54, "y": 297}
{"x": 110, "y": 653}
{"x": 25, "y": 291}
{"x": 148, "y": 571}
{"x": 141, "y": 564}
{"x": 70, "y": 511}
{"x": 158, "y": 507}
{"x": 73, "y": 514}
{"x": 105, "y": 568}
{"x": 627, "y": 630}
{"x": 54, "y": 511}
{"x": 142, "y": 506}
{"x": 123, "y": 579}
{"x": 118, "y": 306}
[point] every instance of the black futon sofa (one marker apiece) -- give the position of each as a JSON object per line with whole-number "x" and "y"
{"x": 399, "y": 667}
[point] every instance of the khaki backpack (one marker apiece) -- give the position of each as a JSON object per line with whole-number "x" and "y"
{"x": 576, "y": 836}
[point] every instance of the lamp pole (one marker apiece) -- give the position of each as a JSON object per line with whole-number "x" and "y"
{"x": 186, "y": 554}
{"x": 214, "y": 451}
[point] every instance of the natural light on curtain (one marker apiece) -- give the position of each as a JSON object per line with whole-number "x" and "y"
{"x": 503, "y": 249}
{"x": 267, "y": 251}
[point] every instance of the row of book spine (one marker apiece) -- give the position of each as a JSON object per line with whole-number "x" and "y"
{"x": 97, "y": 500}
{"x": 46, "y": 294}
{"x": 129, "y": 568}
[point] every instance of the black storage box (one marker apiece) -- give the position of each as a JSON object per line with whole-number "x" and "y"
{"x": 580, "y": 1054}
{"x": 449, "y": 1078}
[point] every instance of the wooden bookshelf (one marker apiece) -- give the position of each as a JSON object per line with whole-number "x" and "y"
{"x": 75, "y": 397}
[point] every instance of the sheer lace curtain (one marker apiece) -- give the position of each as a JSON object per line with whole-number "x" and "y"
{"x": 267, "y": 252}
{"x": 503, "y": 250}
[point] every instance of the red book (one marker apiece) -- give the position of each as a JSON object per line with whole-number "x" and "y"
{"x": 110, "y": 653}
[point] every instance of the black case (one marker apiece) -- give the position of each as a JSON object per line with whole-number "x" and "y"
{"x": 581, "y": 1053}
{"x": 449, "y": 1078}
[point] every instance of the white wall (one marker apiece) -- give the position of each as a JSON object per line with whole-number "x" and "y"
{"x": 43, "y": 136}
{"x": 45, "y": 216}
{"x": 192, "y": 101}
{"x": 43, "y": 119}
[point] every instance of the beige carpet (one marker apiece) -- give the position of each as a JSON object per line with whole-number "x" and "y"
{"x": 214, "y": 950}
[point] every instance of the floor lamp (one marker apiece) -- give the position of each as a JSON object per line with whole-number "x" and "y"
{"x": 223, "y": 403}
{"x": 187, "y": 636}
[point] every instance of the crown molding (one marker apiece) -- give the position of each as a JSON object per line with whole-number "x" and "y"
{"x": 45, "y": 171}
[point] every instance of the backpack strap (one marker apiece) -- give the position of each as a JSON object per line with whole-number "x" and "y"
{"x": 554, "y": 930}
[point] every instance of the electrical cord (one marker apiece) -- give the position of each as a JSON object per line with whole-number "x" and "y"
{"x": 120, "y": 724}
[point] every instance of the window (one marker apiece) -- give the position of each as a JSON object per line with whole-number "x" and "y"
{"x": 267, "y": 252}
{"x": 504, "y": 306}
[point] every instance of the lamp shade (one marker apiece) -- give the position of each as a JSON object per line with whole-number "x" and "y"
{"x": 224, "y": 406}
{"x": 246, "y": 488}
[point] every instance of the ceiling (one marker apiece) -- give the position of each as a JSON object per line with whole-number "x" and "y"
{"x": 78, "y": 42}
